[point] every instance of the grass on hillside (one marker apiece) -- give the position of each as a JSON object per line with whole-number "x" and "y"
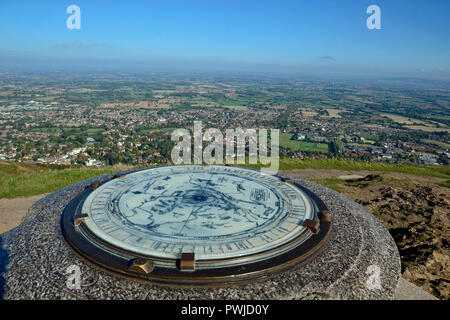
{"x": 24, "y": 180}
{"x": 338, "y": 164}
{"x": 12, "y": 168}
{"x": 445, "y": 184}
{"x": 332, "y": 183}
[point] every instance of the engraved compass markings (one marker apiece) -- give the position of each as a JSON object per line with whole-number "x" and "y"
{"x": 218, "y": 212}
{"x": 229, "y": 202}
{"x": 195, "y": 208}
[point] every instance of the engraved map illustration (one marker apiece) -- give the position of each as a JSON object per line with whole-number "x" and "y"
{"x": 213, "y": 208}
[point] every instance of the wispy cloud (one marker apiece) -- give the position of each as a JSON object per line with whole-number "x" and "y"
{"x": 79, "y": 45}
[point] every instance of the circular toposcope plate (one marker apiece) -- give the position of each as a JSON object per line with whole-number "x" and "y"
{"x": 196, "y": 225}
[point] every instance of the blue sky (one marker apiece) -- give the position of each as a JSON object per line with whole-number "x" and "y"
{"x": 320, "y": 36}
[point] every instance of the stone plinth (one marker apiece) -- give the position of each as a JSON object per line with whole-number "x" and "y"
{"x": 34, "y": 258}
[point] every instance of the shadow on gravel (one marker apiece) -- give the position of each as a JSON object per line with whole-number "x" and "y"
{"x": 4, "y": 260}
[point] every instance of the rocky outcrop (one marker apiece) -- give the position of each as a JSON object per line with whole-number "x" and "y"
{"x": 418, "y": 219}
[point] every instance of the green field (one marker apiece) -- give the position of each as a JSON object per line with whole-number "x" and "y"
{"x": 440, "y": 144}
{"x": 94, "y": 131}
{"x": 294, "y": 145}
{"x": 23, "y": 180}
{"x": 48, "y": 130}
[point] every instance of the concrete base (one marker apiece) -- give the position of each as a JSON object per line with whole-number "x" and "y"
{"x": 34, "y": 258}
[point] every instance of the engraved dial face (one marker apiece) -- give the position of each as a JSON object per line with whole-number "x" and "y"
{"x": 216, "y": 212}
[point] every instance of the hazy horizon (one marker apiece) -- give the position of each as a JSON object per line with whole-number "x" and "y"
{"x": 324, "y": 38}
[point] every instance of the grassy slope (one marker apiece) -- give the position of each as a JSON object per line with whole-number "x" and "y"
{"x": 333, "y": 183}
{"x": 418, "y": 170}
{"x": 23, "y": 180}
